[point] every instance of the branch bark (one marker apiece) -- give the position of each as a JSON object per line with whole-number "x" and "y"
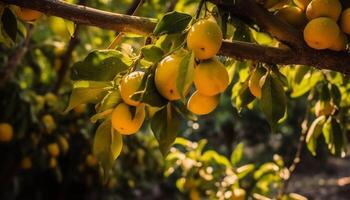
{"x": 89, "y": 16}
{"x": 299, "y": 53}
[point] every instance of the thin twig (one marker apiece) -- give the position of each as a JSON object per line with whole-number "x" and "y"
{"x": 15, "y": 58}
{"x": 297, "y": 157}
{"x": 198, "y": 12}
{"x": 67, "y": 56}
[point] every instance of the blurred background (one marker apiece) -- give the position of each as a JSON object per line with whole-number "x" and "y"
{"x": 49, "y": 154}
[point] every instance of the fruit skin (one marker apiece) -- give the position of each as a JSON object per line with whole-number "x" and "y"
{"x": 53, "y": 163}
{"x": 323, "y": 8}
{"x": 302, "y": 4}
{"x": 292, "y": 15}
{"x": 91, "y": 160}
{"x": 200, "y": 104}
{"x": 129, "y": 85}
{"x": 166, "y": 76}
{"x": 324, "y": 108}
{"x": 345, "y": 21}
{"x": 26, "y": 14}
{"x": 340, "y": 43}
{"x": 26, "y": 163}
{"x": 204, "y": 38}
{"x": 211, "y": 77}
{"x": 53, "y": 149}
{"x": 254, "y": 82}
{"x": 122, "y": 120}
{"x": 238, "y": 194}
{"x": 321, "y": 33}
{"x": 48, "y": 122}
{"x": 6, "y": 132}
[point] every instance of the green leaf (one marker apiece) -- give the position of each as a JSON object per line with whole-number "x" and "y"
{"x": 165, "y": 125}
{"x": 173, "y": 22}
{"x": 107, "y": 146}
{"x": 241, "y": 95}
{"x": 152, "y": 53}
{"x": 185, "y": 74}
{"x": 9, "y": 24}
{"x": 148, "y": 93}
{"x": 328, "y": 132}
{"x": 339, "y": 143}
{"x": 244, "y": 170}
{"x": 305, "y": 82}
{"x": 101, "y": 65}
{"x": 70, "y": 27}
{"x": 273, "y": 100}
{"x": 313, "y": 134}
{"x": 108, "y": 103}
{"x": 237, "y": 154}
{"x": 242, "y": 32}
{"x": 211, "y": 155}
{"x": 87, "y": 92}
{"x": 264, "y": 169}
{"x": 111, "y": 100}
{"x": 335, "y": 94}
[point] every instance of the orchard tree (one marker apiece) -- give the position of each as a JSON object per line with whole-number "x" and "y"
{"x": 263, "y": 53}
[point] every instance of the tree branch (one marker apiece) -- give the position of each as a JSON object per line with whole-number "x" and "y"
{"x": 89, "y": 16}
{"x": 264, "y": 19}
{"x": 301, "y": 54}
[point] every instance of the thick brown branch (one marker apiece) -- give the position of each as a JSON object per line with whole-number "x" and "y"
{"x": 89, "y": 16}
{"x": 249, "y": 9}
{"x": 336, "y": 61}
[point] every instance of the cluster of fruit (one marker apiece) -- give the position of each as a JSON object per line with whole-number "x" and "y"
{"x": 210, "y": 78}
{"x": 324, "y": 22}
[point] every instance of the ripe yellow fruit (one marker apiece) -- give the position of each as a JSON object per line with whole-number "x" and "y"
{"x": 48, "y": 122}
{"x": 324, "y": 8}
{"x": 51, "y": 99}
{"x": 166, "y": 76}
{"x": 6, "y": 132}
{"x": 53, "y": 163}
{"x": 321, "y": 33}
{"x": 26, "y": 163}
{"x": 340, "y": 43}
{"x": 129, "y": 85}
{"x": 238, "y": 194}
{"x": 211, "y": 77}
{"x": 91, "y": 160}
{"x": 53, "y": 149}
{"x": 200, "y": 104}
{"x": 302, "y": 4}
{"x": 26, "y": 14}
{"x": 64, "y": 144}
{"x": 194, "y": 194}
{"x": 204, "y": 38}
{"x": 324, "y": 108}
{"x": 254, "y": 82}
{"x": 80, "y": 109}
{"x": 123, "y": 122}
{"x": 292, "y": 15}
{"x": 345, "y": 21}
